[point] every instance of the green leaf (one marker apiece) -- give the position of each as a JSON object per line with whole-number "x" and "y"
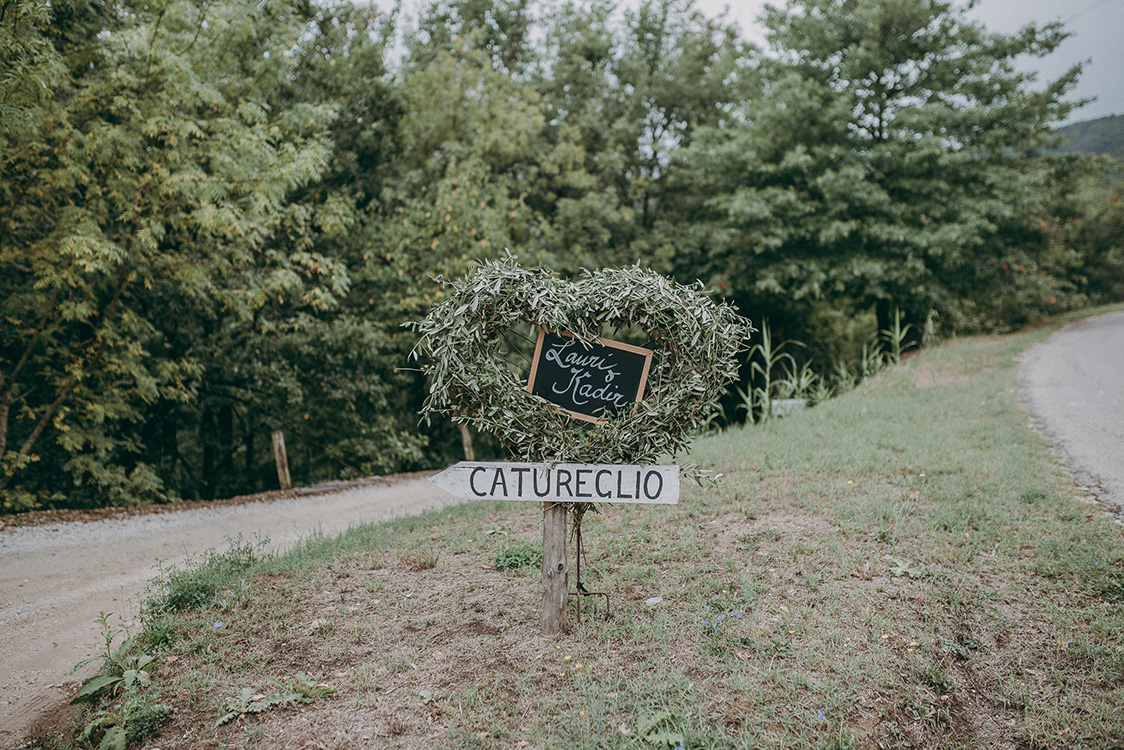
{"x": 94, "y": 685}
{"x": 648, "y": 723}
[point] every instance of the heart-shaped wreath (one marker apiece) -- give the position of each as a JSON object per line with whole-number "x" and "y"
{"x": 696, "y": 343}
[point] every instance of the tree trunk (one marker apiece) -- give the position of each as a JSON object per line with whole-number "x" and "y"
{"x": 169, "y": 441}
{"x": 225, "y": 443}
{"x": 466, "y": 443}
{"x": 206, "y": 483}
{"x": 5, "y": 407}
{"x": 250, "y": 476}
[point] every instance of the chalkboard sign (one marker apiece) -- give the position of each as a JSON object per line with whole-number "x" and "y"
{"x": 588, "y": 383}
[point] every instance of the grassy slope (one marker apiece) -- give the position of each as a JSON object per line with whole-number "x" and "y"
{"x": 906, "y": 564}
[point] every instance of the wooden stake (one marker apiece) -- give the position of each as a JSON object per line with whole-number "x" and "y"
{"x": 282, "y": 460}
{"x": 555, "y": 583}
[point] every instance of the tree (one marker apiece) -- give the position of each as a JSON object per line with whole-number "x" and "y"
{"x": 1086, "y": 229}
{"x": 893, "y": 160}
{"x": 501, "y": 29}
{"x": 327, "y": 374}
{"x": 153, "y": 181}
{"x": 630, "y": 90}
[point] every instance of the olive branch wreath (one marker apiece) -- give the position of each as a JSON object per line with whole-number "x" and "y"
{"x": 696, "y": 341}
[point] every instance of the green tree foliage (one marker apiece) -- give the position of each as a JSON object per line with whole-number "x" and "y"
{"x": 1087, "y": 229}
{"x": 152, "y": 185}
{"x": 324, "y": 374}
{"x": 893, "y": 160}
{"x": 30, "y": 66}
{"x": 629, "y": 89}
{"x": 501, "y": 29}
{"x": 216, "y": 217}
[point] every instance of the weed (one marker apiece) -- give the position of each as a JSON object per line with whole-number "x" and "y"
{"x": 124, "y": 670}
{"x": 426, "y": 558}
{"x": 1112, "y": 586}
{"x": 871, "y": 360}
{"x": 932, "y": 676}
{"x": 511, "y": 557}
{"x": 895, "y": 338}
{"x": 844, "y": 377}
{"x": 121, "y": 668}
{"x": 799, "y": 383}
{"x": 764, "y": 361}
{"x": 658, "y": 729}
{"x": 113, "y": 728}
{"x": 199, "y": 581}
{"x": 301, "y": 689}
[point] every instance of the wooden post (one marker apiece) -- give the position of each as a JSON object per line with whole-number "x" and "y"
{"x": 555, "y": 583}
{"x": 282, "y": 460}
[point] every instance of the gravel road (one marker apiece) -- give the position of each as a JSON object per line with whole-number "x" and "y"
{"x": 1073, "y": 385}
{"x": 56, "y": 579}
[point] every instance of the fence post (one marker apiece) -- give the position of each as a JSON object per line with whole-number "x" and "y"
{"x": 282, "y": 460}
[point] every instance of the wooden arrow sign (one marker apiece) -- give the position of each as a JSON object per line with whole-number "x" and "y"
{"x": 561, "y": 483}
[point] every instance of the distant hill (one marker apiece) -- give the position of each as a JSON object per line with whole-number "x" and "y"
{"x": 1104, "y": 135}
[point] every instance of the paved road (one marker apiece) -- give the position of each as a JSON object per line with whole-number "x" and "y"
{"x": 54, "y": 580}
{"x": 1073, "y": 385}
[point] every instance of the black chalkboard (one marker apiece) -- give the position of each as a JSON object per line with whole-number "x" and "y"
{"x": 588, "y": 383}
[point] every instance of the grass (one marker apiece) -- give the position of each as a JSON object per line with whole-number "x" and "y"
{"x": 904, "y": 566}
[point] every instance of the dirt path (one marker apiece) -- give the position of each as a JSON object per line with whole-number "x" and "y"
{"x": 1073, "y": 384}
{"x": 56, "y": 579}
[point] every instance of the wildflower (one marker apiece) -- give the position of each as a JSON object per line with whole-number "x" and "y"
{"x": 820, "y": 716}
{"x": 218, "y": 624}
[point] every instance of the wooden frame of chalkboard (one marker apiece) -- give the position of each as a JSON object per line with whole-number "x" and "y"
{"x": 604, "y": 378}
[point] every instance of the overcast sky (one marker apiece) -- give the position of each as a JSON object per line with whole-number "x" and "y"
{"x": 1096, "y": 26}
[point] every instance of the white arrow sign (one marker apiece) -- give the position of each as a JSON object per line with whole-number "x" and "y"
{"x": 561, "y": 483}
